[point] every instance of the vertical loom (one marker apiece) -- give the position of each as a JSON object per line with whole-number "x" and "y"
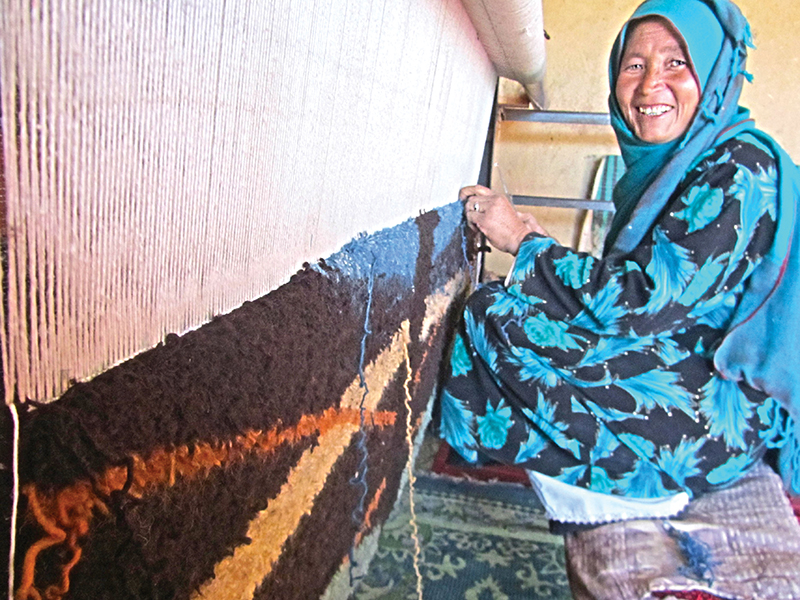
{"x": 166, "y": 161}
{"x": 168, "y": 167}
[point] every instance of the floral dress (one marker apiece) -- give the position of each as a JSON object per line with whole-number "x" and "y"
{"x": 599, "y": 372}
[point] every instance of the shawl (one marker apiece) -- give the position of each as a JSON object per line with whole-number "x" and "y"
{"x": 762, "y": 344}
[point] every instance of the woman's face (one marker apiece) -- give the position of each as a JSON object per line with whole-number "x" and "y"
{"x": 656, "y": 89}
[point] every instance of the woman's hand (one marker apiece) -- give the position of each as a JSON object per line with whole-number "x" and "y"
{"x": 495, "y": 217}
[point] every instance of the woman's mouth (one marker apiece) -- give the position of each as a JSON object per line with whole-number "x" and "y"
{"x": 654, "y": 111}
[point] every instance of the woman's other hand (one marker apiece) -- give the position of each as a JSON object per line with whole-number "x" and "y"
{"x": 495, "y": 217}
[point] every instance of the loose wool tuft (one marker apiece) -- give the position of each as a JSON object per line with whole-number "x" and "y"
{"x": 229, "y": 462}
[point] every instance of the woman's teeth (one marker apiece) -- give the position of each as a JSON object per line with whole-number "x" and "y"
{"x": 654, "y": 111}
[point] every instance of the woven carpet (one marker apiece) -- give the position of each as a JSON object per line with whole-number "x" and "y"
{"x": 478, "y": 541}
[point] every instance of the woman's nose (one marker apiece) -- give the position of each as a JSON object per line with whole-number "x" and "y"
{"x": 652, "y": 78}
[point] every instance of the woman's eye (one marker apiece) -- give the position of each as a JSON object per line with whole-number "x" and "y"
{"x": 633, "y": 67}
{"x": 677, "y": 62}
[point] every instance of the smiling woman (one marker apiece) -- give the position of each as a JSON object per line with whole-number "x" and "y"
{"x": 616, "y": 381}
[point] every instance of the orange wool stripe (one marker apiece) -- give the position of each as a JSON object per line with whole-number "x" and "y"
{"x": 163, "y": 466}
{"x": 65, "y": 515}
{"x": 373, "y": 506}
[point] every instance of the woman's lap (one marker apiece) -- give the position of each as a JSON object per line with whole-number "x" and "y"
{"x": 596, "y": 427}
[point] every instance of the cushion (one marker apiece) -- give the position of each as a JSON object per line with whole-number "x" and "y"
{"x": 746, "y": 536}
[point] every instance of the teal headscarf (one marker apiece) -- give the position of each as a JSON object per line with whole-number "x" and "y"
{"x": 717, "y": 50}
{"x": 762, "y": 346}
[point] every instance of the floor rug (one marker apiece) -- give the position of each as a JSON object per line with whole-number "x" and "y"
{"x": 478, "y": 542}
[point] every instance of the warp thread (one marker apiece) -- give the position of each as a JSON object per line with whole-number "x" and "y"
{"x": 65, "y": 515}
{"x": 360, "y": 477}
{"x": 411, "y": 478}
{"x": 12, "y": 546}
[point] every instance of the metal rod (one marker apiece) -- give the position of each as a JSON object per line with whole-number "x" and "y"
{"x": 561, "y": 202}
{"x": 508, "y": 113}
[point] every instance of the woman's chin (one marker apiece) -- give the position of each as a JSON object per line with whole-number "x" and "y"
{"x": 655, "y": 132}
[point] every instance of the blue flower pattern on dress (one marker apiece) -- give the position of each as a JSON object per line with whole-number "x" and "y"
{"x": 683, "y": 462}
{"x": 703, "y": 205}
{"x": 727, "y": 409}
{"x": 460, "y": 364}
{"x": 703, "y": 280}
{"x": 494, "y": 425}
{"x": 613, "y": 346}
{"x": 457, "y": 426}
{"x": 643, "y": 482}
{"x": 506, "y": 305}
{"x": 532, "y": 366}
{"x": 550, "y": 334}
{"x": 574, "y": 270}
{"x": 757, "y": 195}
{"x": 605, "y": 445}
{"x": 599, "y": 371}
{"x": 731, "y": 470}
{"x": 600, "y": 481}
{"x": 601, "y": 312}
{"x": 481, "y": 343}
{"x": 669, "y": 350}
{"x": 717, "y": 310}
{"x": 544, "y": 418}
{"x": 604, "y": 413}
{"x": 657, "y": 388}
{"x": 670, "y": 268}
{"x": 524, "y": 265}
{"x": 532, "y": 447}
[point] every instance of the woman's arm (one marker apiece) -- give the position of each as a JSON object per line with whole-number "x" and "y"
{"x": 688, "y": 267}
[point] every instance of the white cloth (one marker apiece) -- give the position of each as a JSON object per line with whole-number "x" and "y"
{"x": 572, "y": 504}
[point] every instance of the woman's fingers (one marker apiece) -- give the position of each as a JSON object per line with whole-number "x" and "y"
{"x": 495, "y": 216}
{"x": 474, "y": 204}
{"x": 478, "y": 198}
{"x": 474, "y": 190}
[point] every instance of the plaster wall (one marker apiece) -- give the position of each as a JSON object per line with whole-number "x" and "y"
{"x": 561, "y": 160}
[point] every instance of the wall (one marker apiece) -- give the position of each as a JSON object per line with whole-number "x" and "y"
{"x": 561, "y": 160}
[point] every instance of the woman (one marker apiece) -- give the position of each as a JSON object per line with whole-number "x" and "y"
{"x": 629, "y": 384}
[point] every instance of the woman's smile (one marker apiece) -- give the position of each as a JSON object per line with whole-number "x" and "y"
{"x": 654, "y": 111}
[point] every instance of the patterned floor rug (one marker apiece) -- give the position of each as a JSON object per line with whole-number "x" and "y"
{"x": 478, "y": 541}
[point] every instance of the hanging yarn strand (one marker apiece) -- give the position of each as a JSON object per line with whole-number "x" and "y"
{"x": 410, "y": 470}
{"x": 360, "y": 477}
